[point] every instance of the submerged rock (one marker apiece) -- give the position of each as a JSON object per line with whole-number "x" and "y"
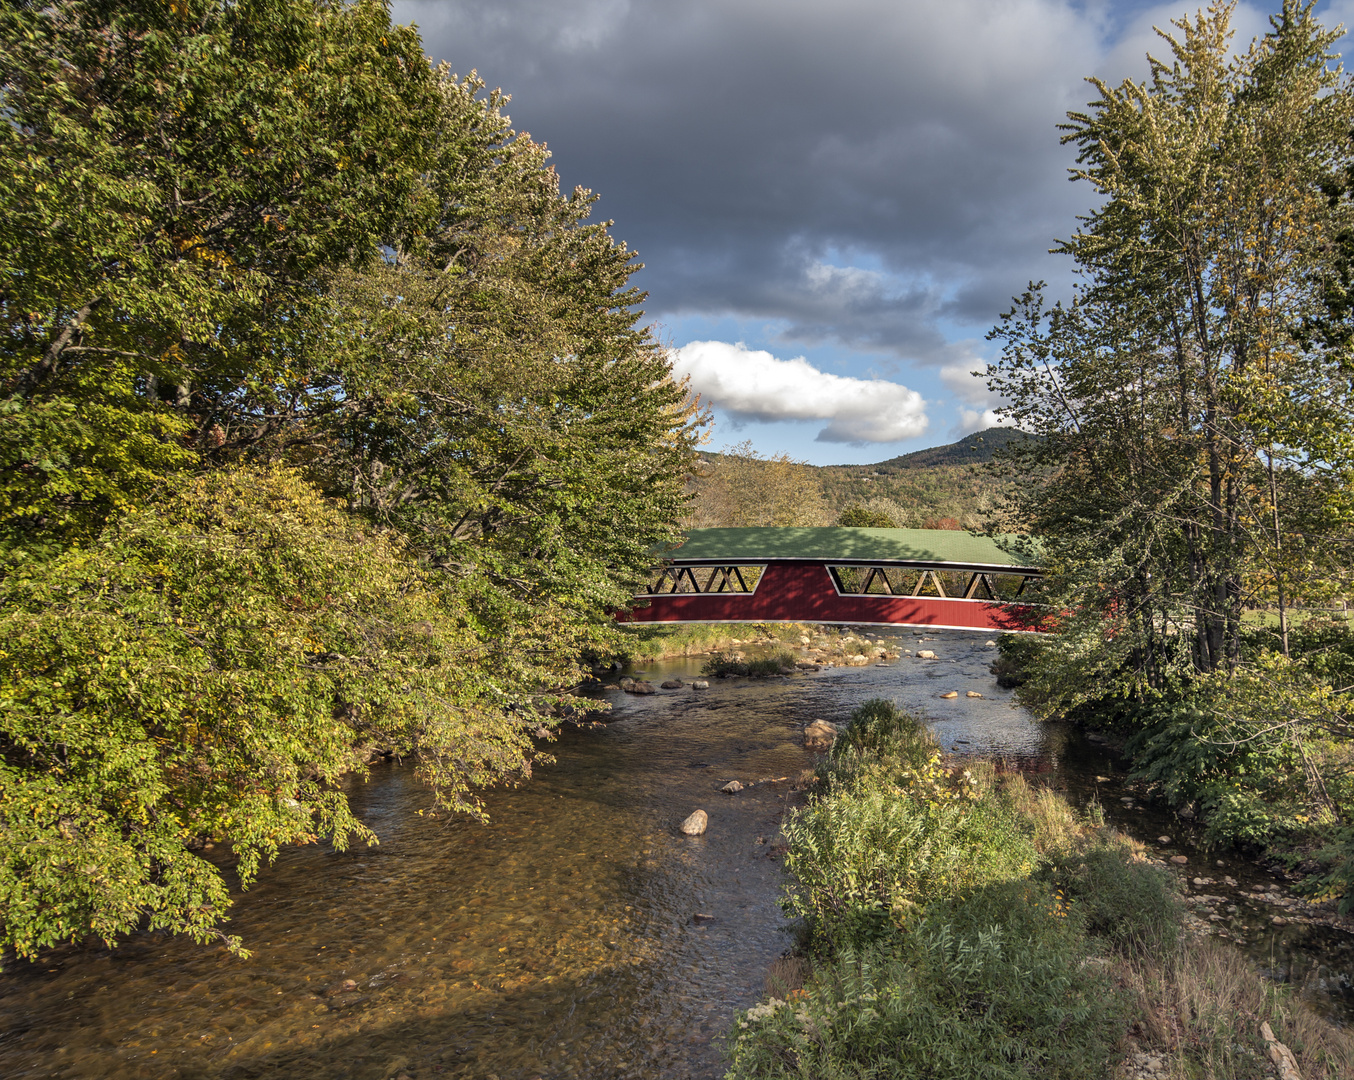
{"x": 696, "y": 823}
{"x": 820, "y": 735}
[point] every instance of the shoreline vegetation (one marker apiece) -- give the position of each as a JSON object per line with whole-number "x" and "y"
{"x": 954, "y": 920}
{"x": 643, "y": 643}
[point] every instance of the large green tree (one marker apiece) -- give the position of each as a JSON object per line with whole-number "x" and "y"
{"x": 328, "y": 423}
{"x": 179, "y": 181}
{"x": 1193, "y": 409}
{"x": 1197, "y": 437}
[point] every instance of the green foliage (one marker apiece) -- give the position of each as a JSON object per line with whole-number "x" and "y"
{"x": 991, "y": 987}
{"x": 238, "y": 234}
{"x": 857, "y": 516}
{"x": 1131, "y": 905}
{"x": 880, "y": 731}
{"x": 207, "y": 668}
{"x": 1194, "y": 436}
{"x": 177, "y": 179}
{"x": 494, "y": 399}
{"x": 725, "y": 664}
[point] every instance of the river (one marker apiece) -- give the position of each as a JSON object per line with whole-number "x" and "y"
{"x": 576, "y": 935}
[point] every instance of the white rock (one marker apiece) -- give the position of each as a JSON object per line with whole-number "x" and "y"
{"x": 696, "y": 823}
{"x": 701, "y": 684}
{"x": 732, "y": 787}
{"x": 925, "y": 654}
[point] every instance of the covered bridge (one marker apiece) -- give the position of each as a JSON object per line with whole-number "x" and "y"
{"x": 888, "y": 577}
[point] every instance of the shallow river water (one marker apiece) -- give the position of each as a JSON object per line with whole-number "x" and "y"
{"x": 560, "y": 940}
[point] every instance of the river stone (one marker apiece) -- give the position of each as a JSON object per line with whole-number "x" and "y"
{"x": 637, "y": 686}
{"x": 1179, "y": 860}
{"x": 700, "y": 684}
{"x": 951, "y": 694}
{"x": 1163, "y": 839}
{"x": 732, "y": 787}
{"x": 819, "y": 735}
{"x": 973, "y": 693}
{"x": 925, "y": 654}
{"x": 672, "y": 684}
{"x": 696, "y": 823}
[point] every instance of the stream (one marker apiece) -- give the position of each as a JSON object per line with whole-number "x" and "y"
{"x": 578, "y": 934}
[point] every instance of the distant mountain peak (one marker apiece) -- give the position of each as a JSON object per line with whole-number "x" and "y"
{"x": 970, "y": 450}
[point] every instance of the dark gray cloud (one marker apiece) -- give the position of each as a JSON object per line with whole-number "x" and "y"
{"x": 871, "y": 172}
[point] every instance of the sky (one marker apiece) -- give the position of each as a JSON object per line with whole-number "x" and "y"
{"x": 834, "y": 201}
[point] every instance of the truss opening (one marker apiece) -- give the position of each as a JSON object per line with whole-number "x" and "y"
{"x": 705, "y": 579}
{"x": 916, "y": 581}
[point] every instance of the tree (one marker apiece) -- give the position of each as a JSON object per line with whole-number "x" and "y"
{"x": 493, "y": 398}
{"x": 329, "y": 424}
{"x": 1193, "y": 406}
{"x": 742, "y": 489}
{"x": 1197, "y": 436}
{"x": 178, "y": 181}
{"x": 862, "y": 516}
{"x": 210, "y": 667}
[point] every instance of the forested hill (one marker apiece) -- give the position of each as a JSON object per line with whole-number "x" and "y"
{"x": 972, "y": 449}
{"x": 939, "y": 487}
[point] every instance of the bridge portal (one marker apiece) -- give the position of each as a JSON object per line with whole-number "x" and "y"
{"x": 934, "y": 578}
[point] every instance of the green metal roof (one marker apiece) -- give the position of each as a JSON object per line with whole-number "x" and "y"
{"x": 842, "y": 544}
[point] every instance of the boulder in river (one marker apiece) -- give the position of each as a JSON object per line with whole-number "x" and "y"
{"x": 951, "y": 694}
{"x": 696, "y": 823}
{"x": 733, "y": 787}
{"x": 672, "y": 684}
{"x": 925, "y": 654}
{"x": 973, "y": 693}
{"x": 700, "y": 684}
{"x": 820, "y": 735}
{"x": 637, "y": 686}
{"x": 1179, "y": 860}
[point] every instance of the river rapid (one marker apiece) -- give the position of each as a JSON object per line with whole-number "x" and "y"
{"x": 578, "y": 934}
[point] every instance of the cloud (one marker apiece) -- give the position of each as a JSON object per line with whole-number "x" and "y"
{"x": 753, "y": 384}
{"x": 977, "y": 408}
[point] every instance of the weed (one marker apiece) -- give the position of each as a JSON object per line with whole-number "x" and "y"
{"x": 1130, "y": 904}
{"x": 724, "y": 664}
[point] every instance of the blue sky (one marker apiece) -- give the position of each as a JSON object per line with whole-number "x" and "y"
{"x": 834, "y": 201}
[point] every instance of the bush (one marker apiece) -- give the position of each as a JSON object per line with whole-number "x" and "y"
{"x": 864, "y": 857}
{"x": 1132, "y": 905}
{"x": 995, "y": 986}
{"x": 880, "y": 729}
{"x": 724, "y": 664}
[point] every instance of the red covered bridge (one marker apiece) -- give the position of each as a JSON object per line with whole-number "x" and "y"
{"x": 885, "y": 577}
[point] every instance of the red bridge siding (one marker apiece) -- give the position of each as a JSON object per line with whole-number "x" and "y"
{"x": 803, "y": 592}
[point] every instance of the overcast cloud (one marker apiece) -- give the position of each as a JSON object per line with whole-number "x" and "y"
{"x": 870, "y": 179}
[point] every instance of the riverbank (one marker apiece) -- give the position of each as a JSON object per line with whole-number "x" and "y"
{"x": 830, "y": 646}
{"x": 955, "y": 919}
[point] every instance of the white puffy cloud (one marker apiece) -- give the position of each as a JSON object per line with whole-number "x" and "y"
{"x": 754, "y": 384}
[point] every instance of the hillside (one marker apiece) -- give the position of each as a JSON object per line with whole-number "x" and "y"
{"x": 939, "y": 487}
